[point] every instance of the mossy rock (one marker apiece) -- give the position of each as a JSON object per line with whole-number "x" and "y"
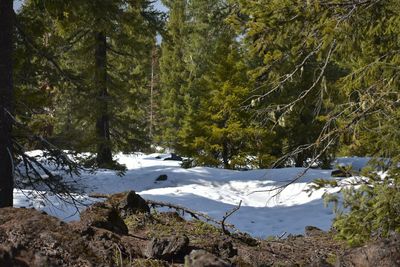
{"x": 102, "y": 216}
{"x": 128, "y": 203}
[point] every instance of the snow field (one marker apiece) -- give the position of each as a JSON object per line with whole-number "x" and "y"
{"x": 209, "y": 190}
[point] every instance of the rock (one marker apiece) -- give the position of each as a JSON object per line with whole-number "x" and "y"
{"x": 225, "y": 249}
{"x": 162, "y": 177}
{"x": 312, "y": 231}
{"x": 172, "y": 248}
{"x": 129, "y": 203}
{"x": 30, "y": 238}
{"x": 382, "y": 253}
{"x": 202, "y": 258}
{"x": 174, "y": 157}
{"x": 102, "y": 216}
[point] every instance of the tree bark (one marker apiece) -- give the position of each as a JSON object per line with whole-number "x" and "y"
{"x": 6, "y": 100}
{"x": 225, "y": 155}
{"x": 104, "y": 154}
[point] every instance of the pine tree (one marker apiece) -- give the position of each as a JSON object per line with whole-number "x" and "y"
{"x": 295, "y": 81}
{"x": 105, "y": 73}
{"x": 356, "y": 50}
{"x": 173, "y": 73}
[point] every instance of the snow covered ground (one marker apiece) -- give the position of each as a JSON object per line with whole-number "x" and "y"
{"x": 209, "y": 190}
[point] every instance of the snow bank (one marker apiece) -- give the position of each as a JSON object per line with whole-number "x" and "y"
{"x": 209, "y": 190}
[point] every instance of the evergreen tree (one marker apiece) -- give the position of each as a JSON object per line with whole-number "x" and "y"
{"x": 173, "y": 73}
{"x": 105, "y": 72}
{"x": 295, "y": 81}
{"x": 203, "y": 77}
{"x": 355, "y": 43}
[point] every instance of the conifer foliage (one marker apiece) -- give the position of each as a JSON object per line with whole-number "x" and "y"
{"x": 233, "y": 84}
{"x": 339, "y": 58}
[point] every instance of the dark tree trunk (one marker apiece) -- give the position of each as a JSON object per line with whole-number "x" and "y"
{"x": 104, "y": 155}
{"x": 225, "y": 155}
{"x": 300, "y": 159}
{"x": 6, "y": 94}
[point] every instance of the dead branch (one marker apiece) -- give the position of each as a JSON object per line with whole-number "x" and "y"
{"x": 227, "y": 215}
{"x": 195, "y": 214}
{"x": 99, "y": 195}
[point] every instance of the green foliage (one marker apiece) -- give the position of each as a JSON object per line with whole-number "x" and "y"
{"x": 55, "y": 71}
{"x": 326, "y": 77}
{"x": 204, "y": 83}
{"x": 373, "y": 209}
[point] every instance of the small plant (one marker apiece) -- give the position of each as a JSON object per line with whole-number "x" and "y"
{"x": 371, "y": 205}
{"x": 374, "y": 208}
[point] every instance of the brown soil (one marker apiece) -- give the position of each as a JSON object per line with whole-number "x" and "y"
{"x": 31, "y": 238}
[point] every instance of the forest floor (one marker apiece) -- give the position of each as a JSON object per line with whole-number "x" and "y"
{"x": 137, "y": 228}
{"x": 123, "y": 231}
{"x": 114, "y": 233}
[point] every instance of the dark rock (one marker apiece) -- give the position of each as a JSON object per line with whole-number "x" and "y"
{"x": 312, "y": 231}
{"x": 129, "y": 203}
{"x": 226, "y": 250}
{"x": 174, "y": 157}
{"x": 30, "y": 238}
{"x": 162, "y": 177}
{"x": 382, "y": 253}
{"x": 172, "y": 248}
{"x": 102, "y": 216}
{"x": 202, "y": 258}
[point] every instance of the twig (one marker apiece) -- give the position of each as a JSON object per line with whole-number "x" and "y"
{"x": 138, "y": 237}
{"x": 282, "y": 235}
{"x": 99, "y": 195}
{"x": 228, "y": 214}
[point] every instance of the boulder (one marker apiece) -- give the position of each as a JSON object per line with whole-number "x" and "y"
{"x": 173, "y": 248}
{"x": 312, "y": 231}
{"x": 162, "y": 177}
{"x": 225, "y": 249}
{"x": 202, "y": 258}
{"x": 128, "y": 203}
{"x": 101, "y": 215}
{"x": 383, "y": 253}
{"x": 31, "y": 238}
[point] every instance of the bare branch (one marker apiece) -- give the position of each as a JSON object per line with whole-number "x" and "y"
{"x": 227, "y": 215}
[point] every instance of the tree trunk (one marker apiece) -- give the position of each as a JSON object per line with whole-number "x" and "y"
{"x": 225, "y": 155}
{"x": 6, "y": 94}
{"x": 104, "y": 155}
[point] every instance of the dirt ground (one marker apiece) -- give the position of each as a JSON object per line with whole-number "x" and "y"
{"x": 123, "y": 232}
